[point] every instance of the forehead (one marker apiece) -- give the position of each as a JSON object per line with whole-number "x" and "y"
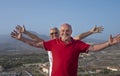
{"x": 53, "y": 30}
{"x": 65, "y": 27}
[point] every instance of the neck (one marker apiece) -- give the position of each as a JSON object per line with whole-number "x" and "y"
{"x": 66, "y": 40}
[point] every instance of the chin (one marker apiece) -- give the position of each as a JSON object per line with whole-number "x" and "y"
{"x": 55, "y": 38}
{"x": 65, "y": 38}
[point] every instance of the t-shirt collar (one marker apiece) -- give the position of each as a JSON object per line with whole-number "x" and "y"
{"x": 72, "y": 40}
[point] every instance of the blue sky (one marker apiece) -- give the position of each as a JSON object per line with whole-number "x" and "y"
{"x": 40, "y": 15}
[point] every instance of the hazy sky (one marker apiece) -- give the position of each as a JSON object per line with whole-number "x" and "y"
{"x": 40, "y": 15}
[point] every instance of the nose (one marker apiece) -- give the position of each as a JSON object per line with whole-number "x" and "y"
{"x": 64, "y": 32}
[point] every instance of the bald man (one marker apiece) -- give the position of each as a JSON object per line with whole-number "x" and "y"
{"x": 65, "y": 50}
{"x": 54, "y": 33}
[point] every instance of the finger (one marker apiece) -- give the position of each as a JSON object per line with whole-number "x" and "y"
{"x": 13, "y": 36}
{"x": 23, "y": 26}
{"x": 18, "y": 27}
{"x": 12, "y": 33}
{"x": 15, "y": 31}
{"x": 110, "y": 38}
{"x": 117, "y": 36}
{"x": 100, "y": 29}
{"x": 95, "y": 26}
{"x": 93, "y": 29}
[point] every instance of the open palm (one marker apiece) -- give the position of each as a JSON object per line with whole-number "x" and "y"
{"x": 96, "y": 29}
{"x": 114, "y": 40}
{"x": 20, "y": 29}
{"x": 16, "y": 35}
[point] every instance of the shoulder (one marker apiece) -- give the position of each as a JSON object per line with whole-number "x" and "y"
{"x": 78, "y": 41}
{"x": 51, "y": 41}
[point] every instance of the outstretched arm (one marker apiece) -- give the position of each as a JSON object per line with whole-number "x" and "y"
{"x": 22, "y": 29}
{"x": 95, "y": 29}
{"x": 17, "y": 35}
{"x": 111, "y": 41}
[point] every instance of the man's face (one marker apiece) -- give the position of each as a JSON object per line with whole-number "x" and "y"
{"x": 54, "y": 33}
{"x": 65, "y": 32}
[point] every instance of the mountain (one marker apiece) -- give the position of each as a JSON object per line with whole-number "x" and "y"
{"x": 93, "y": 40}
{"x": 45, "y": 37}
{"x": 10, "y": 45}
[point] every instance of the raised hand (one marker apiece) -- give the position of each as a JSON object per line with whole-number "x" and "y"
{"x": 17, "y": 35}
{"x": 114, "y": 40}
{"x": 96, "y": 29}
{"x": 21, "y": 29}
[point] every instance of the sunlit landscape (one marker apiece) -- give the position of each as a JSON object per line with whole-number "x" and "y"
{"x": 18, "y": 59}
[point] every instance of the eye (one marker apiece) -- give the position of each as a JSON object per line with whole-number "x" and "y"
{"x": 53, "y": 33}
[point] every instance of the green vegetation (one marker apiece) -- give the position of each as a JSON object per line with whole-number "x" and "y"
{"x": 104, "y": 72}
{"x": 11, "y": 61}
{"x": 17, "y": 60}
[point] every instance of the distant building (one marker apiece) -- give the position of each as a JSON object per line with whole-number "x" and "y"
{"x": 33, "y": 64}
{"x": 45, "y": 67}
{"x": 45, "y": 70}
{"x": 112, "y": 68}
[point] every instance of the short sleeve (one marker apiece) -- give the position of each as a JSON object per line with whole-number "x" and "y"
{"x": 48, "y": 44}
{"x": 83, "y": 47}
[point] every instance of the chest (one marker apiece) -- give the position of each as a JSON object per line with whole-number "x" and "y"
{"x": 65, "y": 52}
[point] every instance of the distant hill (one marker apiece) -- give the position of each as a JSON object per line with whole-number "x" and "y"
{"x": 45, "y": 37}
{"x": 92, "y": 40}
{"x": 10, "y": 45}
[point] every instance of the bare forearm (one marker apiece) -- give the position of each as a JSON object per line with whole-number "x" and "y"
{"x": 83, "y": 35}
{"x": 99, "y": 47}
{"x": 32, "y": 42}
{"x": 27, "y": 41}
{"x": 33, "y": 36}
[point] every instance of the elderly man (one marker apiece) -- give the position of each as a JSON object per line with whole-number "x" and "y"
{"x": 54, "y": 33}
{"x": 65, "y": 50}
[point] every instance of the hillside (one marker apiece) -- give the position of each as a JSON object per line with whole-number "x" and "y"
{"x": 9, "y": 45}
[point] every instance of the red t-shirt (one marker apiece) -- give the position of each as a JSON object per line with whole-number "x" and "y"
{"x": 65, "y": 56}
